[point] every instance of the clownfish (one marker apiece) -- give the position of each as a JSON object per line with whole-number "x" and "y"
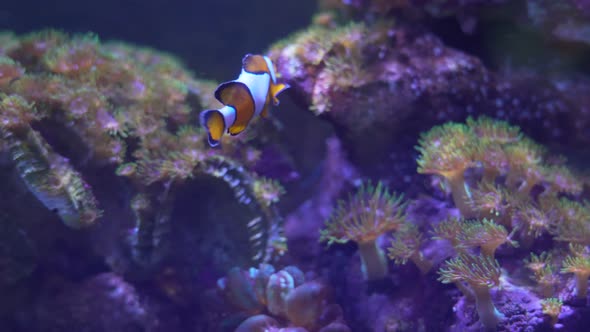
{"x": 249, "y": 95}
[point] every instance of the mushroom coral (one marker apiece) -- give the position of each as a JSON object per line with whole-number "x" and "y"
{"x": 273, "y": 299}
{"x": 372, "y": 212}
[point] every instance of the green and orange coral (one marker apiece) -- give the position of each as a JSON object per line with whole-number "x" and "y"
{"x": 504, "y": 167}
{"x": 480, "y": 273}
{"x": 406, "y": 246}
{"x": 371, "y": 213}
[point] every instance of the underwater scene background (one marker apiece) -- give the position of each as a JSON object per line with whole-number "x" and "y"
{"x": 427, "y": 168}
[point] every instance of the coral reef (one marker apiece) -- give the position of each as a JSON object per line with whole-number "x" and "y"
{"x": 381, "y": 83}
{"x": 104, "y": 137}
{"x": 428, "y": 182}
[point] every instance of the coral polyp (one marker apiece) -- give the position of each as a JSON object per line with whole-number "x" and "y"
{"x": 406, "y": 246}
{"x": 448, "y": 150}
{"x": 363, "y": 218}
{"x": 481, "y": 273}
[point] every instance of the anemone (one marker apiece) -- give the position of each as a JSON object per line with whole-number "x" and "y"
{"x": 481, "y": 273}
{"x": 448, "y": 150}
{"x": 406, "y": 246}
{"x": 372, "y": 212}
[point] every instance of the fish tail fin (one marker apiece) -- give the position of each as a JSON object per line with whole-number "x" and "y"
{"x": 214, "y": 122}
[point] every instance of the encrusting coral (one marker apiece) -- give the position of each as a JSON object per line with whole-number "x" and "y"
{"x": 373, "y": 80}
{"x": 71, "y": 106}
{"x": 371, "y": 213}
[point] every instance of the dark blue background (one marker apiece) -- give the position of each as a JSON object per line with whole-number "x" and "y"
{"x": 211, "y": 36}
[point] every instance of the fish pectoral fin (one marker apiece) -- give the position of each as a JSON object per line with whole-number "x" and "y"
{"x": 275, "y": 90}
{"x": 235, "y": 130}
{"x": 214, "y": 122}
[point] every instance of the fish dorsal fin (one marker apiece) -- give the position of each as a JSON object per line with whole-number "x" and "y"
{"x": 255, "y": 64}
{"x": 237, "y": 95}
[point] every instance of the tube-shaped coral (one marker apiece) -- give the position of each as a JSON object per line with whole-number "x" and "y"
{"x": 450, "y": 230}
{"x": 447, "y": 150}
{"x": 524, "y": 159}
{"x": 492, "y": 202}
{"x": 580, "y": 267}
{"x": 552, "y": 308}
{"x": 362, "y": 219}
{"x": 543, "y": 274}
{"x": 573, "y": 221}
{"x": 481, "y": 273}
{"x": 531, "y": 222}
{"x": 493, "y": 135}
{"x": 406, "y": 246}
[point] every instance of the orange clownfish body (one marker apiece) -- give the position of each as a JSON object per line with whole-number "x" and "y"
{"x": 245, "y": 97}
